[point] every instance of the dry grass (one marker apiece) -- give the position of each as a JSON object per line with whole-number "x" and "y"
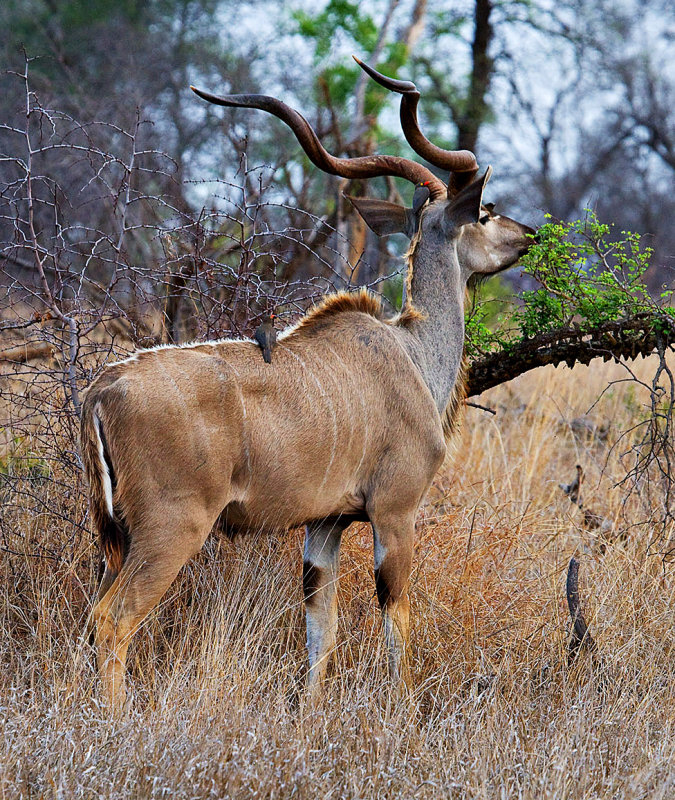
{"x": 493, "y": 711}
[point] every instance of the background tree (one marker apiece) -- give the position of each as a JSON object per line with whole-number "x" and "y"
{"x": 570, "y": 101}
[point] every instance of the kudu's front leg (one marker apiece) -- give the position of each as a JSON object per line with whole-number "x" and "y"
{"x": 393, "y": 547}
{"x": 320, "y": 568}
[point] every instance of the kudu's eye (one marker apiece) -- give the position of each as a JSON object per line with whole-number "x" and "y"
{"x": 484, "y": 219}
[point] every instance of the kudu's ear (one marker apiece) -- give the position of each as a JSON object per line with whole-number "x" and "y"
{"x": 382, "y": 217}
{"x": 465, "y": 207}
{"x": 385, "y": 218}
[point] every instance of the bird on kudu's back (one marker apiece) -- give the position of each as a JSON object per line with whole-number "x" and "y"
{"x": 266, "y": 336}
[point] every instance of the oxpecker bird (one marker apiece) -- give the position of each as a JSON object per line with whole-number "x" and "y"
{"x": 266, "y": 337}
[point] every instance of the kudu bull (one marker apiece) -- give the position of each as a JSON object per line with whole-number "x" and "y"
{"x": 349, "y": 422}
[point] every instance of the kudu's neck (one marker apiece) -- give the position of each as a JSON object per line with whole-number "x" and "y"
{"x": 435, "y": 339}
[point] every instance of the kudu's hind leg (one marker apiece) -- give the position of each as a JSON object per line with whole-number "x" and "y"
{"x": 107, "y": 580}
{"x": 320, "y": 567}
{"x": 393, "y": 545}
{"x": 153, "y": 562}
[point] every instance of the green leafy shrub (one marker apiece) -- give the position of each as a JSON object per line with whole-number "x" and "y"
{"x": 587, "y": 277}
{"x": 19, "y": 460}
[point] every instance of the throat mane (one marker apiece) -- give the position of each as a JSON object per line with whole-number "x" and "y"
{"x": 452, "y": 415}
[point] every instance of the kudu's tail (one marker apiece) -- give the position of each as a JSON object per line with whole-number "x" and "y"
{"x": 111, "y": 528}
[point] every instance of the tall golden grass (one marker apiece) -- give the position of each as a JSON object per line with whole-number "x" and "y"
{"x": 493, "y": 709}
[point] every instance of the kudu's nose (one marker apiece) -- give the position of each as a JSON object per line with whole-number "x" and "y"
{"x": 528, "y": 233}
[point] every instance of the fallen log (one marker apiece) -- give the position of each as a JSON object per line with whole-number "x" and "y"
{"x": 25, "y": 352}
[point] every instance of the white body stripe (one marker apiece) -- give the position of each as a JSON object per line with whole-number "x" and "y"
{"x": 185, "y": 346}
{"x": 107, "y": 483}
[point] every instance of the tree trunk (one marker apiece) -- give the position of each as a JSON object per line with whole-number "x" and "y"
{"x": 475, "y": 109}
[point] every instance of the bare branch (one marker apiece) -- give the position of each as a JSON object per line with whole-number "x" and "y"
{"x": 581, "y": 638}
{"x": 624, "y": 339}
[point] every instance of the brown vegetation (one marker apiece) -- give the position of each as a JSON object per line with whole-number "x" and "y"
{"x": 494, "y": 709}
